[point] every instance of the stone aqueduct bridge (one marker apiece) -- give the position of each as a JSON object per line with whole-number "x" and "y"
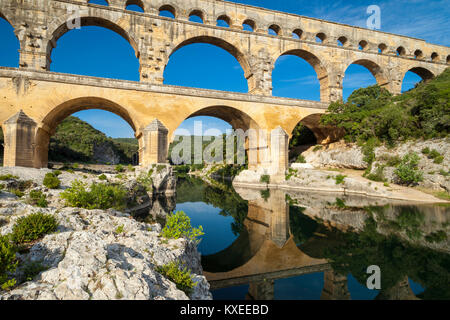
{"x": 33, "y": 100}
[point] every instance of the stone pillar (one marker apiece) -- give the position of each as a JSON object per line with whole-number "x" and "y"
{"x": 279, "y": 152}
{"x": 19, "y": 132}
{"x": 155, "y": 143}
{"x": 259, "y": 77}
{"x": 335, "y": 287}
{"x": 262, "y": 290}
{"x": 279, "y": 226}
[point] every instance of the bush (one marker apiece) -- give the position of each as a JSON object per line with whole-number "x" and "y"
{"x": 179, "y": 225}
{"x": 38, "y": 198}
{"x": 102, "y": 177}
{"x": 8, "y": 176}
{"x": 101, "y": 196}
{"x": 119, "y": 168}
{"x": 57, "y": 172}
{"x": 146, "y": 180}
{"x": 179, "y": 275}
{"x": 8, "y": 262}
{"x": 51, "y": 181}
{"x": 340, "y": 179}
{"x": 407, "y": 170}
{"x": 378, "y": 175}
{"x": 33, "y": 227}
{"x": 300, "y": 159}
{"x": 265, "y": 194}
{"x": 265, "y": 178}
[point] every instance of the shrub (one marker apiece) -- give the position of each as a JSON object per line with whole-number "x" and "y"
{"x": 119, "y": 229}
{"x": 265, "y": 194}
{"x": 439, "y": 159}
{"x": 17, "y": 192}
{"x": 38, "y": 198}
{"x": 131, "y": 168}
{"x": 300, "y": 159}
{"x": 340, "y": 179}
{"x": 407, "y": 170}
{"x": 8, "y": 176}
{"x": 179, "y": 275}
{"x": 426, "y": 150}
{"x": 119, "y": 168}
{"x": 436, "y": 237}
{"x": 8, "y": 262}
{"x": 145, "y": 180}
{"x": 378, "y": 175}
{"x": 57, "y": 172}
{"x": 179, "y": 225}
{"x": 160, "y": 168}
{"x": 102, "y": 177}
{"x": 265, "y": 178}
{"x": 51, "y": 181}
{"x": 33, "y": 227}
{"x": 101, "y": 196}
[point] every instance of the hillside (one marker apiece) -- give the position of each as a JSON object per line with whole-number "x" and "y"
{"x": 77, "y": 141}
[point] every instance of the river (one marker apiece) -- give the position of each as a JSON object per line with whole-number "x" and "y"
{"x": 272, "y": 244}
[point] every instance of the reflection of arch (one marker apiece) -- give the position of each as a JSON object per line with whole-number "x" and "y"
{"x": 59, "y": 28}
{"x": 218, "y": 43}
{"x": 321, "y": 71}
{"x": 236, "y": 255}
{"x": 374, "y": 69}
{"x": 62, "y": 111}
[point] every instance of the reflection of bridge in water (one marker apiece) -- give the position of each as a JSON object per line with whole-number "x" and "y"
{"x": 266, "y": 251}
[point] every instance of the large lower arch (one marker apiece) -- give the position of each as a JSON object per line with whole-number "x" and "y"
{"x": 59, "y": 28}
{"x": 47, "y": 126}
{"x": 423, "y": 73}
{"x": 319, "y": 67}
{"x": 230, "y": 48}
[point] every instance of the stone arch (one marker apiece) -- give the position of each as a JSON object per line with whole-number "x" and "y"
{"x": 322, "y": 36}
{"x": 422, "y": 72}
{"x": 343, "y": 40}
{"x": 3, "y": 16}
{"x": 198, "y": 12}
{"x": 299, "y": 33}
{"x": 230, "y": 48}
{"x": 251, "y": 23}
{"x": 322, "y": 133}
{"x": 46, "y": 128}
{"x": 236, "y": 118}
{"x": 276, "y": 29}
{"x": 374, "y": 69}
{"x": 107, "y": 2}
{"x": 319, "y": 67}
{"x": 138, "y": 3}
{"x": 224, "y": 17}
{"x": 363, "y": 45}
{"x": 58, "y": 28}
{"x": 169, "y": 7}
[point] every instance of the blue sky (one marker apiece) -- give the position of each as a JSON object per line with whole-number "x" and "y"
{"x": 96, "y": 51}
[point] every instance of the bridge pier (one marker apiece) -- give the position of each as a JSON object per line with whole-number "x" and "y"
{"x": 335, "y": 287}
{"x": 19, "y": 132}
{"x": 155, "y": 143}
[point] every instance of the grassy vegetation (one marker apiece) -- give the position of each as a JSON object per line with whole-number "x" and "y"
{"x": 178, "y": 274}
{"x": 99, "y": 196}
{"x": 407, "y": 171}
{"x": 37, "y": 198}
{"x": 265, "y": 178}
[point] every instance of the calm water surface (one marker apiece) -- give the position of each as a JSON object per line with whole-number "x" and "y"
{"x": 274, "y": 245}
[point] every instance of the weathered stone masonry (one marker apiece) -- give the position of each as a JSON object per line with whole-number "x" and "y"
{"x": 46, "y": 97}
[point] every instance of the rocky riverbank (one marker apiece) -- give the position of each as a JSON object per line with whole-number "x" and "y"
{"x": 339, "y": 168}
{"x": 96, "y": 254}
